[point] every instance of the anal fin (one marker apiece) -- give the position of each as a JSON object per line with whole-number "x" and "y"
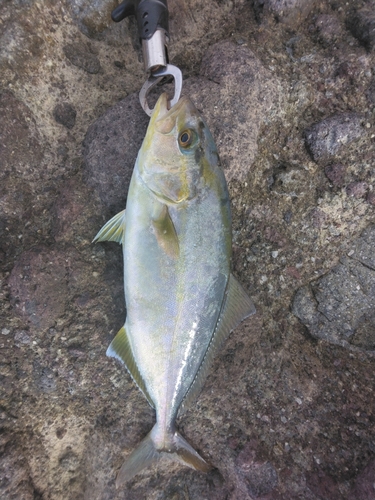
{"x": 113, "y": 230}
{"x": 237, "y": 306}
{"x": 120, "y": 349}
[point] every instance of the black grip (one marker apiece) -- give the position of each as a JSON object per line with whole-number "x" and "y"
{"x": 151, "y": 15}
{"x": 125, "y": 9}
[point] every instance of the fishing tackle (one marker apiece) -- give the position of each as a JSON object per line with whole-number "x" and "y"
{"x": 152, "y": 20}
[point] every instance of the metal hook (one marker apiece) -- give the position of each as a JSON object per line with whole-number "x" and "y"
{"x": 154, "y": 79}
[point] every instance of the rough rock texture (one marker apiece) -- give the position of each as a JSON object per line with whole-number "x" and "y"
{"x": 340, "y": 306}
{"x": 65, "y": 114}
{"x": 362, "y": 25}
{"x": 287, "y": 89}
{"x": 327, "y": 139}
{"x": 110, "y": 148}
{"x": 287, "y": 11}
{"x": 82, "y": 58}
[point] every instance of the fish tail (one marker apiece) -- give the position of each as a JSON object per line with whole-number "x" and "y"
{"x": 147, "y": 454}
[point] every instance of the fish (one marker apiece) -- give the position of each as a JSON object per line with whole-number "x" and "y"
{"x": 182, "y": 300}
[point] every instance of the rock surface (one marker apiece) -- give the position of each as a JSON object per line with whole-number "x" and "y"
{"x": 340, "y": 306}
{"x": 362, "y": 25}
{"x": 328, "y": 139}
{"x": 287, "y": 89}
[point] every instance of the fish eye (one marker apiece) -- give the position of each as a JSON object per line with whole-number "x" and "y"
{"x": 186, "y": 138}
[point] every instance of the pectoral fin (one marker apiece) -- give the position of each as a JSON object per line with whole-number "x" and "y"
{"x": 113, "y": 230}
{"x": 120, "y": 349}
{"x": 165, "y": 232}
{"x": 237, "y": 306}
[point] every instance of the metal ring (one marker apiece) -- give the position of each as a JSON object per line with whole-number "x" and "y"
{"x": 154, "y": 79}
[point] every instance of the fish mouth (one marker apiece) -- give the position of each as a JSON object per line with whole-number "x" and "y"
{"x": 165, "y": 119}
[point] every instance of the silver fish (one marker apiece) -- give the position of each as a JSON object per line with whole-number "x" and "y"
{"x": 181, "y": 299}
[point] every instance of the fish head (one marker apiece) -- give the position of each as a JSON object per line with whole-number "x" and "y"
{"x": 178, "y": 154}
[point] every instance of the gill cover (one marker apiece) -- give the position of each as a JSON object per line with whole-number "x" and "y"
{"x": 171, "y": 153}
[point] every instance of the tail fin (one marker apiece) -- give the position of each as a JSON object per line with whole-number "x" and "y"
{"x": 147, "y": 454}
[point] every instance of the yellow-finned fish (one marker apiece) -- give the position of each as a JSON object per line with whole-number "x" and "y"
{"x": 181, "y": 299}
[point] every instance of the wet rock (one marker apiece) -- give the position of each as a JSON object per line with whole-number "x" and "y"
{"x": 289, "y": 12}
{"x": 362, "y": 25}
{"x": 329, "y": 28}
{"x": 339, "y": 306}
{"x": 329, "y": 138}
{"x": 357, "y": 189}
{"x": 65, "y": 114}
{"x": 80, "y": 56}
{"x": 364, "y": 486}
{"x": 336, "y": 174}
{"x": 92, "y": 17}
{"x": 110, "y": 149}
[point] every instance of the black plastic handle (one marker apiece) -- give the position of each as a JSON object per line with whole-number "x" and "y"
{"x": 150, "y": 14}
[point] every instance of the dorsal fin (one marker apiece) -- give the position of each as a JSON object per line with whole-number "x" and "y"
{"x": 237, "y": 306}
{"x": 113, "y": 230}
{"x": 120, "y": 349}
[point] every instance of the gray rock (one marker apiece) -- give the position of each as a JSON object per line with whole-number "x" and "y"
{"x": 336, "y": 174}
{"x": 329, "y": 138}
{"x": 323, "y": 485}
{"x": 92, "y": 17}
{"x": 21, "y": 337}
{"x": 39, "y": 287}
{"x": 371, "y": 198}
{"x": 364, "y": 484}
{"x": 65, "y": 114}
{"x": 246, "y": 94}
{"x": 289, "y": 12}
{"x": 339, "y": 307}
{"x": 21, "y": 154}
{"x": 259, "y": 477}
{"x": 357, "y": 189}
{"x": 329, "y": 28}
{"x": 20, "y": 141}
{"x": 81, "y": 57}
{"x": 110, "y": 149}
{"x": 363, "y": 248}
{"x": 44, "y": 378}
{"x": 362, "y": 25}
